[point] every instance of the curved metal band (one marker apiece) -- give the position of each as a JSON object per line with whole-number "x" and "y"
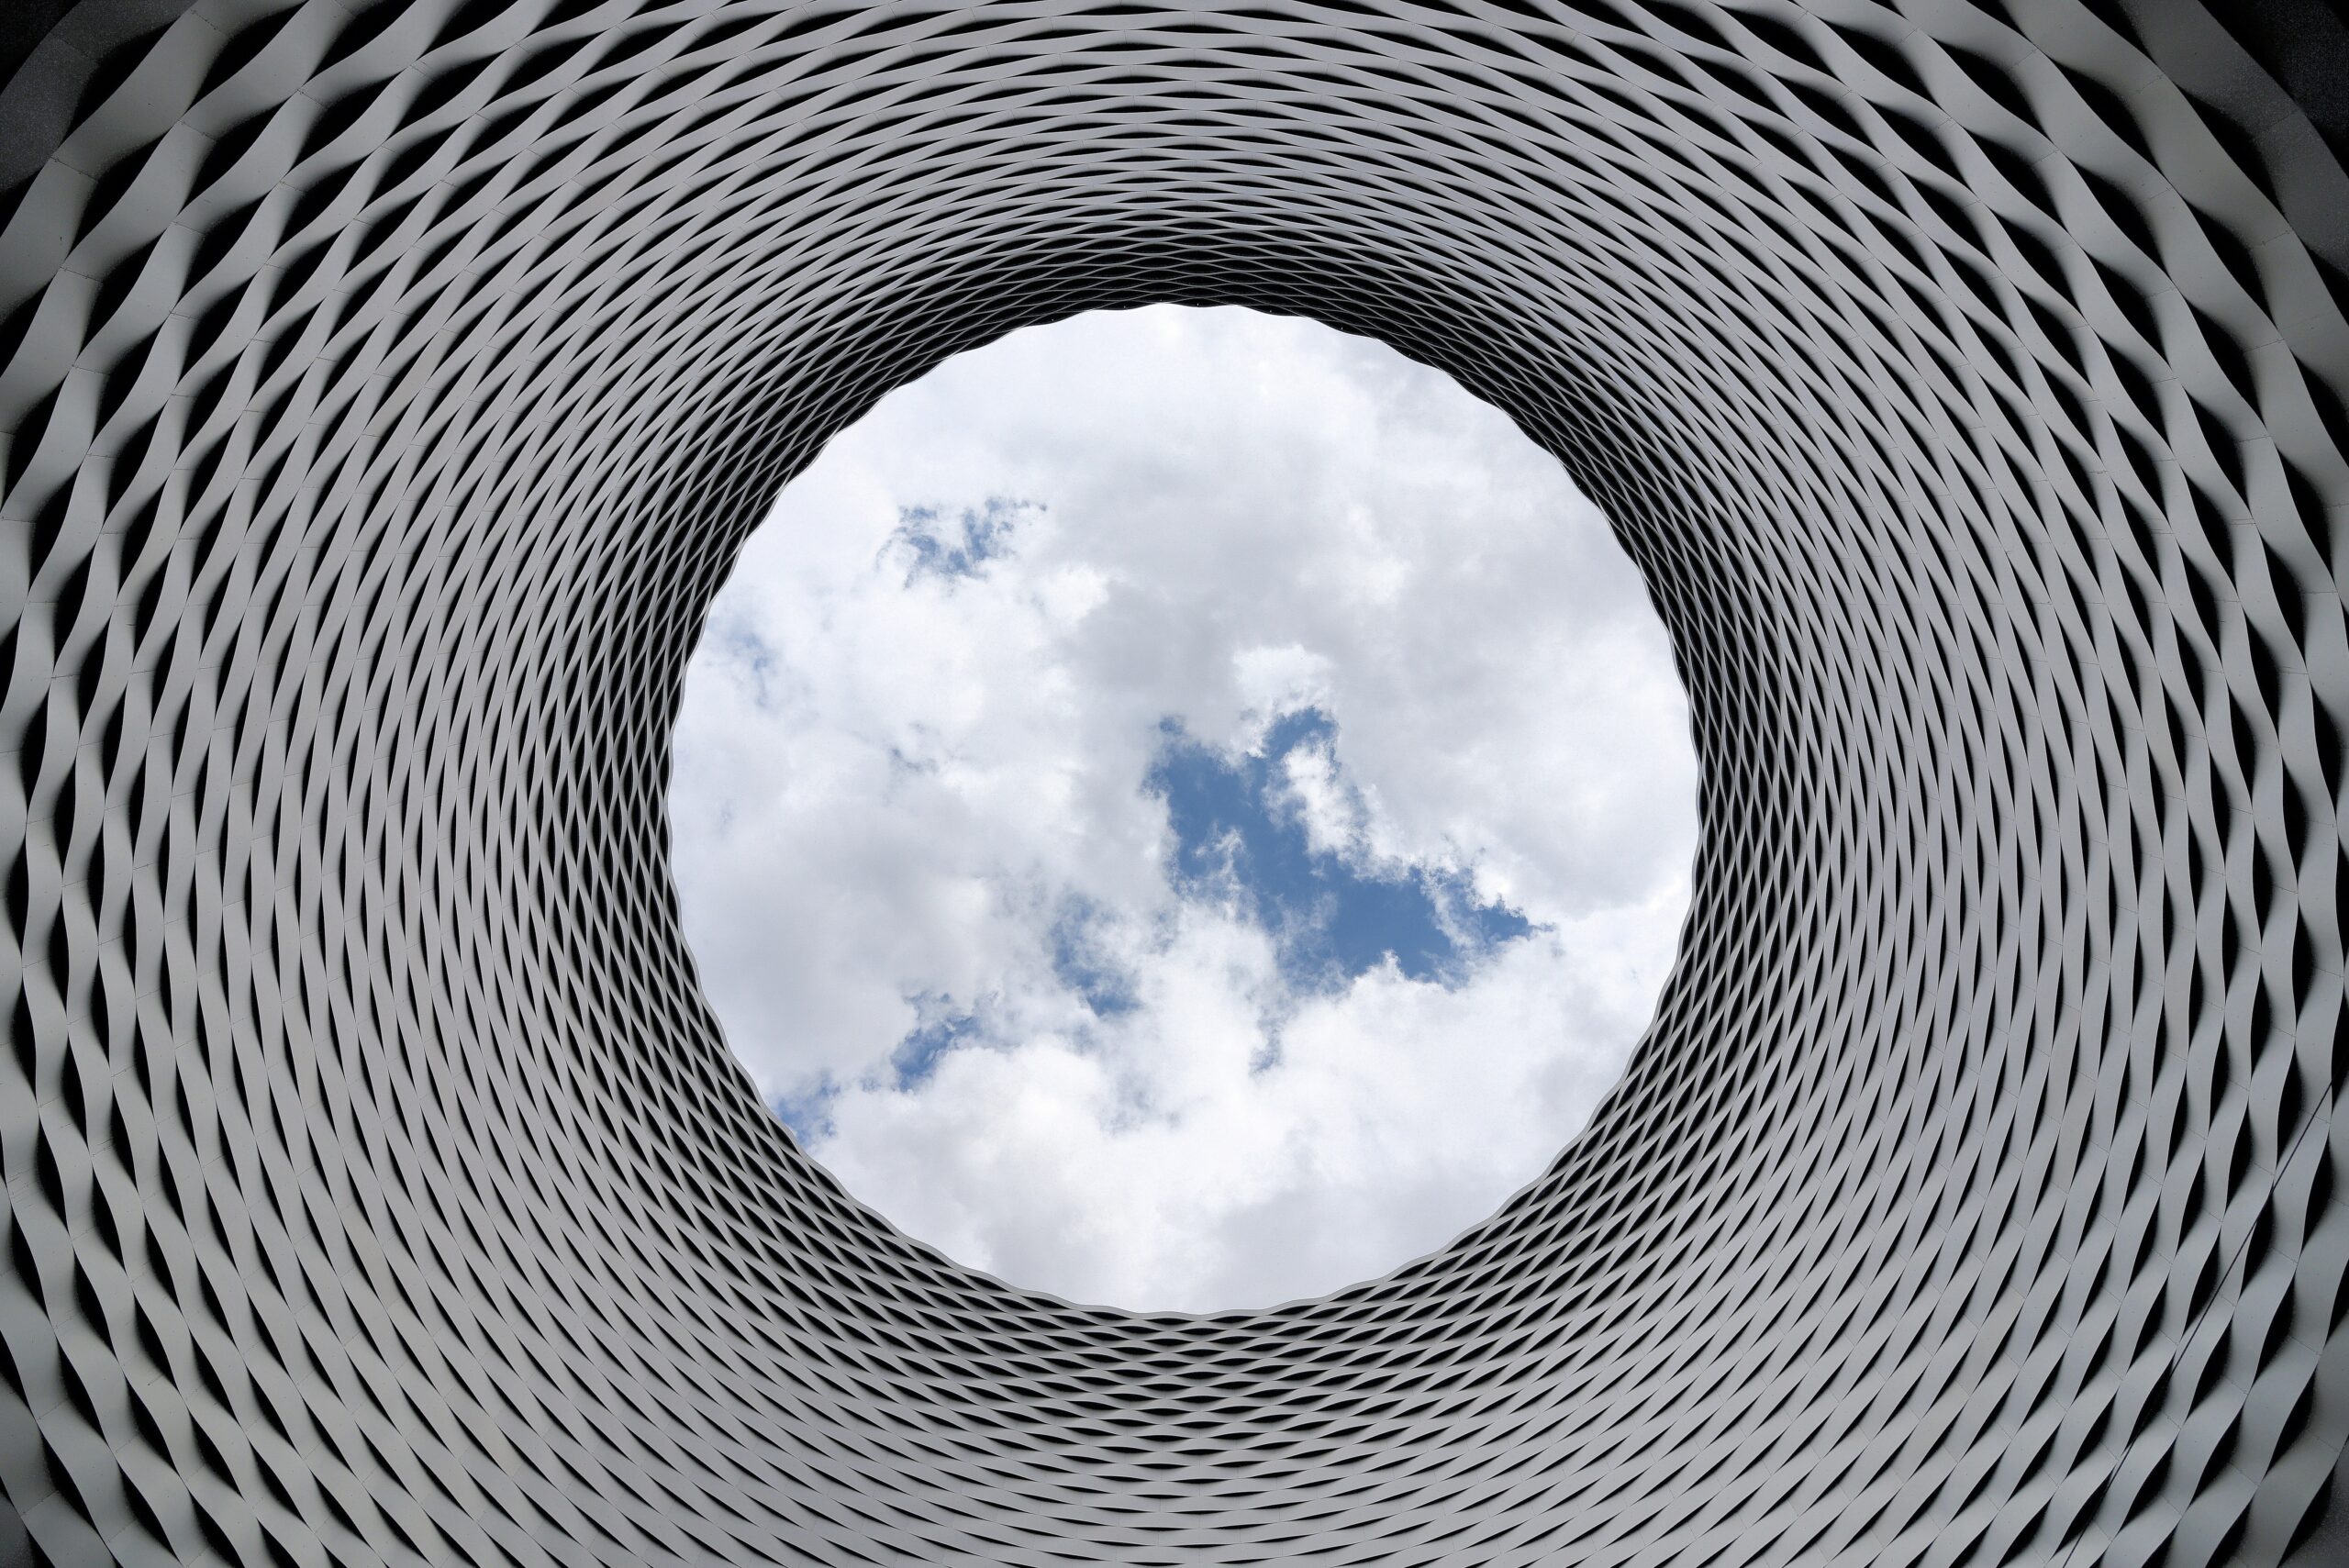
{"x": 386, "y": 389}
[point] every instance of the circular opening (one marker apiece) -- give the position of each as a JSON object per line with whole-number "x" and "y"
{"x": 1183, "y": 808}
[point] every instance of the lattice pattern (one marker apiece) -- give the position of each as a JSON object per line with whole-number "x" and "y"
{"x": 386, "y": 392}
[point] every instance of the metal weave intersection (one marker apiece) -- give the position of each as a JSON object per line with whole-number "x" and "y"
{"x": 386, "y": 388}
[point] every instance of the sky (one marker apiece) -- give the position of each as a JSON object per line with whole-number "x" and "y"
{"x": 1183, "y": 809}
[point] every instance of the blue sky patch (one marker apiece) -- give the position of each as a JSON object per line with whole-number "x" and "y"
{"x": 943, "y": 1027}
{"x": 1079, "y": 963}
{"x": 1239, "y": 834}
{"x": 957, "y": 544}
{"x": 809, "y": 1115}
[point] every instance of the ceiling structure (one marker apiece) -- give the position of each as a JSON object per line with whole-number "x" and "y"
{"x": 388, "y": 388}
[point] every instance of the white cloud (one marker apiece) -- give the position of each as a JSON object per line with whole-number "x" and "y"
{"x": 897, "y": 785}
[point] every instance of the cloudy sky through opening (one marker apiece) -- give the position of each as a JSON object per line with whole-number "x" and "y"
{"x": 1183, "y": 808}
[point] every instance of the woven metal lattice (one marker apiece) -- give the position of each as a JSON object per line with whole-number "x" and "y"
{"x": 386, "y": 390}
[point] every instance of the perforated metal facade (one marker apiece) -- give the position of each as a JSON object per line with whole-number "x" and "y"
{"x": 387, "y": 389}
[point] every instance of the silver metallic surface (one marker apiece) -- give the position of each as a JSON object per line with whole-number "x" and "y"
{"x": 386, "y": 388}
